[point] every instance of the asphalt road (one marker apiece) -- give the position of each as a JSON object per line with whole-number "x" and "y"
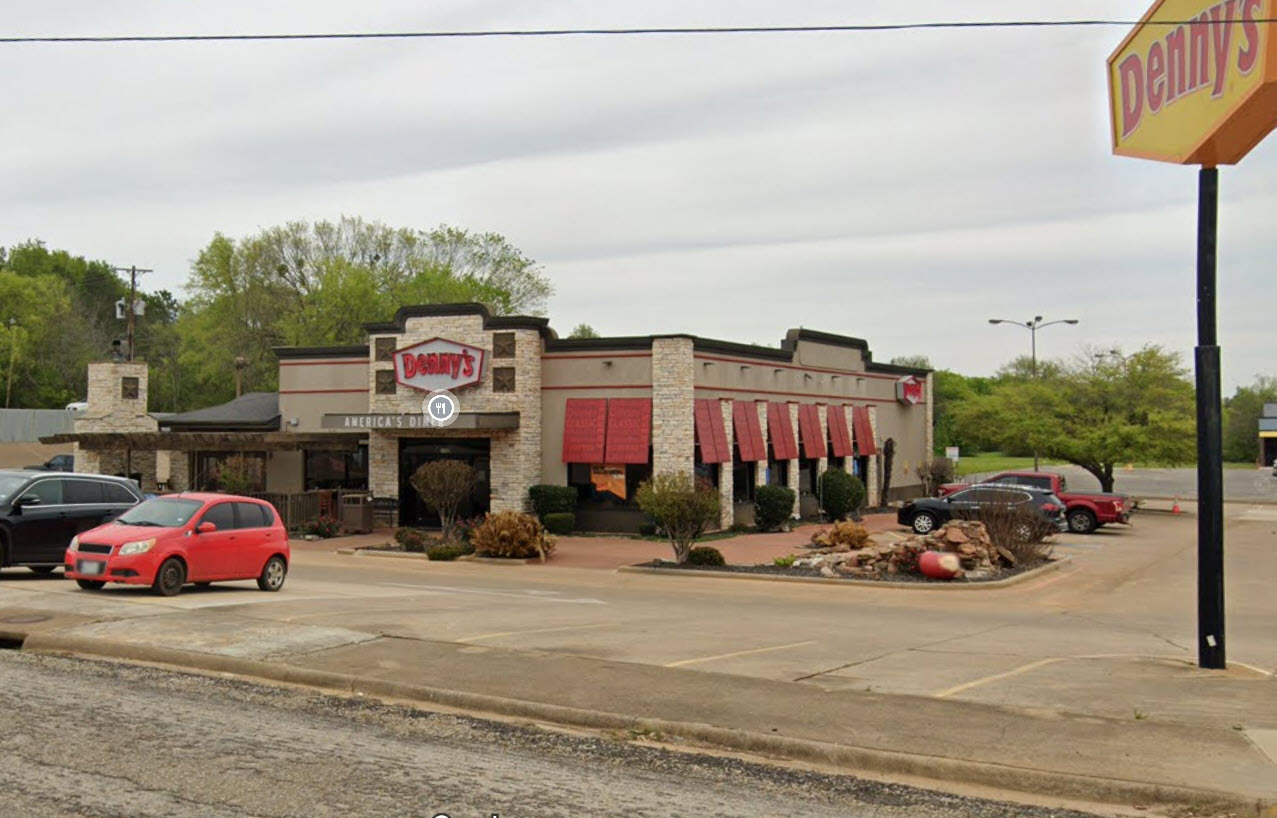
{"x": 1240, "y": 485}
{"x": 87, "y": 738}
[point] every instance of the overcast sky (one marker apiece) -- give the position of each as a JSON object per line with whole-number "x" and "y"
{"x": 899, "y": 187}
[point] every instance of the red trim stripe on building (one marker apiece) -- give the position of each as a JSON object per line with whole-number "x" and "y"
{"x": 839, "y": 435}
{"x": 629, "y": 430}
{"x": 710, "y": 433}
{"x": 813, "y": 438}
{"x": 784, "y": 447}
{"x": 584, "y": 422}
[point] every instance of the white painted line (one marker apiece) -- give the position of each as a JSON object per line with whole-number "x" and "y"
{"x": 526, "y": 595}
{"x": 739, "y": 653}
{"x": 944, "y": 694}
{"x": 532, "y": 630}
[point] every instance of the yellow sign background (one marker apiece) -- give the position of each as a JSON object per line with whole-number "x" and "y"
{"x": 1195, "y": 94}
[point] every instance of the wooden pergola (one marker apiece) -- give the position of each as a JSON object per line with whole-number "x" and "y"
{"x": 209, "y": 441}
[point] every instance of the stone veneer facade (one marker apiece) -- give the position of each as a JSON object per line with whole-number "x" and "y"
{"x": 673, "y": 415}
{"x": 109, "y": 411}
{"x": 515, "y": 454}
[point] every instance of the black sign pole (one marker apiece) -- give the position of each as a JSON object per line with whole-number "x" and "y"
{"x": 1210, "y": 467}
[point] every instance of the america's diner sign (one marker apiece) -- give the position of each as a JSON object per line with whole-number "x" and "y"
{"x": 1195, "y": 82}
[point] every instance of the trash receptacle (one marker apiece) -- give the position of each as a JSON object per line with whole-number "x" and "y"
{"x": 356, "y": 513}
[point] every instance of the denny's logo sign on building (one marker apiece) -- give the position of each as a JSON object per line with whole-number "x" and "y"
{"x": 1195, "y": 82}
{"x": 438, "y": 364}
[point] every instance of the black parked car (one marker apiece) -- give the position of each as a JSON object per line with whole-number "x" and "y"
{"x": 928, "y": 513}
{"x": 41, "y": 511}
{"x": 59, "y": 462}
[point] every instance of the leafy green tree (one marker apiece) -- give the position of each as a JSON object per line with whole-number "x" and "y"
{"x": 584, "y": 331}
{"x": 915, "y": 361}
{"x": 1094, "y": 415}
{"x": 1241, "y": 419}
{"x": 303, "y": 283}
{"x": 951, "y": 391}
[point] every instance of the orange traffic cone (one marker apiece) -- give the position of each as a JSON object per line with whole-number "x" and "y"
{"x": 1175, "y": 508}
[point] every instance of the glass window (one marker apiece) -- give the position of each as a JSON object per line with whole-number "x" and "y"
{"x": 115, "y": 493}
{"x": 249, "y": 515}
{"x": 743, "y": 476}
{"x": 231, "y": 472}
{"x": 221, "y": 515}
{"x": 169, "y": 512}
{"x": 337, "y": 470}
{"x": 49, "y": 492}
{"x": 82, "y": 492}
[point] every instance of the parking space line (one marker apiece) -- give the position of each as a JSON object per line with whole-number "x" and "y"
{"x": 683, "y": 662}
{"x": 499, "y": 634}
{"x": 944, "y": 694}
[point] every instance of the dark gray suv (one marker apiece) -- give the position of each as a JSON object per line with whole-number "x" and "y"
{"x": 41, "y": 511}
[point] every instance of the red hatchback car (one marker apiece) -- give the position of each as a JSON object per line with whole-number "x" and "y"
{"x": 168, "y": 541}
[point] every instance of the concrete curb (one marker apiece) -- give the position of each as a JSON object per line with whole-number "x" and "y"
{"x": 849, "y": 758}
{"x": 1055, "y": 565}
{"x": 410, "y": 555}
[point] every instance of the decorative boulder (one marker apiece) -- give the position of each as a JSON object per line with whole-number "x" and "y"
{"x": 939, "y": 565}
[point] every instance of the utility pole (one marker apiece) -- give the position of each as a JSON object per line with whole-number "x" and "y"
{"x": 131, "y": 307}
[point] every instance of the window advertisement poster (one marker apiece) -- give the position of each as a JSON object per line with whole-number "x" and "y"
{"x": 609, "y": 479}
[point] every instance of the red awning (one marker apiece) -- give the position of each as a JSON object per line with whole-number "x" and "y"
{"x": 864, "y": 431}
{"x": 839, "y": 434}
{"x": 784, "y": 447}
{"x": 749, "y": 435}
{"x": 629, "y": 430}
{"x": 583, "y": 428}
{"x": 809, "y": 430}
{"x": 710, "y": 432}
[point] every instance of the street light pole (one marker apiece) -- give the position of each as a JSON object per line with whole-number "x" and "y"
{"x": 1033, "y": 327}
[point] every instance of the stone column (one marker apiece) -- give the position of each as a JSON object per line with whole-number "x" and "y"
{"x": 760, "y": 469}
{"x": 726, "y": 476}
{"x": 673, "y": 409}
{"x": 822, "y": 463}
{"x": 383, "y": 464}
{"x": 875, "y": 462}
{"x": 791, "y": 466}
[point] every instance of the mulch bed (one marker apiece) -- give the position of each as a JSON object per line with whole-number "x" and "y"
{"x": 774, "y": 570}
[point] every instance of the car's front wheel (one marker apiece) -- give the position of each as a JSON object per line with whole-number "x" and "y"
{"x": 91, "y": 584}
{"x": 170, "y": 578}
{"x": 273, "y": 574}
{"x": 1081, "y": 521}
{"x": 924, "y": 522}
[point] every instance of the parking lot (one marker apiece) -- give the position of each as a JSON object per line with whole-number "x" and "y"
{"x": 1118, "y": 617}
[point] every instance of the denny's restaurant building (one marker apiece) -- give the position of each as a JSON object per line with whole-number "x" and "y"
{"x": 600, "y": 415}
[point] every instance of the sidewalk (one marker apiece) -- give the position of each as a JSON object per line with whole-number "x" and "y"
{"x": 1042, "y": 752}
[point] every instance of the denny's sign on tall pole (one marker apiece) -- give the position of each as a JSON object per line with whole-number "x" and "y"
{"x": 1196, "y": 84}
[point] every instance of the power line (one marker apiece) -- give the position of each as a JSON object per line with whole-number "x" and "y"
{"x": 615, "y": 32}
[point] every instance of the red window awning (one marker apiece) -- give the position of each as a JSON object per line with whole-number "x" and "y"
{"x": 629, "y": 430}
{"x": 809, "y": 430}
{"x": 710, "y": 433}
{"x": 749, "y": 434}
{"x": 584, "y": 423}
{"x": 864, "y": 431}
{"x": 784, "y": 447}
{"x": 839, "y": 434}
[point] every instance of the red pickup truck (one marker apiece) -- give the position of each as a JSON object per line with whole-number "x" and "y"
{"x": 1084, "y": 512}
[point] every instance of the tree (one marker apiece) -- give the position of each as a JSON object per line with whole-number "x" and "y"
{"x": 1094, "y": 415}
{"x": 304, "y": 284}
{"x": 444, "y": 485}
{"x": 950, "y": 391}
{"x": 914, "y": 361}
{"x": 1241, "y": 419}
{"x": 584, "y": 331}
{"x": 683, "y": 505}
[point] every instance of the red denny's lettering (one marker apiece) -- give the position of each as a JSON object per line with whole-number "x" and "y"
{"x": 452, "y": 364}
{"x": 1191, "y": 57}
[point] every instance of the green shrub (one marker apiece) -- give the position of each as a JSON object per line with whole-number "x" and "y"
{"x": 705, "y": 555}
{"x": 773, "y": 505}
{"x": 511, "y": 534}
{"x": 462, "y": 529}
{"x": 647, "y": 529}
{"x": 683, "y": 504}
{"x": 412, "y": 539}
{"x": 560, "y": 522}
{"x": 547, "y": 499}
{"x": 740, "y": 528}
{"x": 447, "y": 551}
{"x": 840, "y": 493}
{"x": 785, "y": 561}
